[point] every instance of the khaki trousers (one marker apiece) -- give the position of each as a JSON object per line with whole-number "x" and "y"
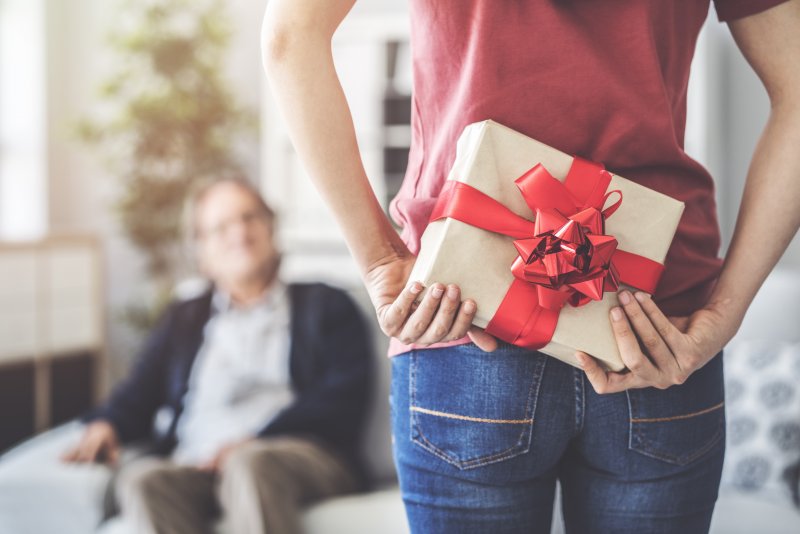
{"x": 260, "y": 489}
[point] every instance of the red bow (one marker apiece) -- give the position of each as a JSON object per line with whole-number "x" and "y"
{"x": 564, "y": 255}
{"x": 569, "y": 258}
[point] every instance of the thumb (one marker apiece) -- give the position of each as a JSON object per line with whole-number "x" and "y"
{"x": 484, "y": 341}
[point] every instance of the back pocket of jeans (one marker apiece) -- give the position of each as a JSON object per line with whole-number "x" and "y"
{"x": 471, "y": 408}
{"x": 679, "y": 424}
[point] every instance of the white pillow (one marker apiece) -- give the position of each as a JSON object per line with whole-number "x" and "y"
{"x": 762, "y": 396}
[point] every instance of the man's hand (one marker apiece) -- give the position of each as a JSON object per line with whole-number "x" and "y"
{"x": 215, "y": 464}
{"x": 440, "y": 316}
{"x": 658, "y": 351}
{"x": 99, "y": 443}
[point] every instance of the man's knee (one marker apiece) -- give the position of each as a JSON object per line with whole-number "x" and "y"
{"x": 262, "y": 464}
{"x": 141, "y": 480}
{"x": 246, "y": 461}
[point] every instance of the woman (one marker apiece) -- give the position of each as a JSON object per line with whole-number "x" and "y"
{"x": 483, "y": 429}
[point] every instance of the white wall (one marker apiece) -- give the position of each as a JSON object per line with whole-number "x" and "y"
{"x": 23, "y": 166}
{"x": 738, "y": 109}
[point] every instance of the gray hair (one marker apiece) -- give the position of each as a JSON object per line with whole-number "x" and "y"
{"x": 190, "y": 224}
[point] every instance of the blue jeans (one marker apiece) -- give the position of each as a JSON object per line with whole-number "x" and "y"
{"x": 481, "y": 438}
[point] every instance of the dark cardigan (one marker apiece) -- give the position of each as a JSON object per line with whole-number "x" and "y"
{"x": 330, "y": 365}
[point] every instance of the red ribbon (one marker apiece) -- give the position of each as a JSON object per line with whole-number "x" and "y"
{"x": 564, "y": 254}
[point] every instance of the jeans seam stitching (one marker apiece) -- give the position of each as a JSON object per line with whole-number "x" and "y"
{"x": 474, "y": 462}
{"x": 679, "y": 460}
{"x": 677, "y": 417}
{"x": 509, "y": 452}
{"x": 583, "y": 401}
{"x": 448, "y": 415}
{"x": 643, "y": 446}
{"x": 631, "y": 409}
{"x": 579, "y": 413}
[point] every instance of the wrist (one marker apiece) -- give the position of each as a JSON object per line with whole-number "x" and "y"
{"x": 387, "y": 248}
{"x": 729, "y": 314}
{"x": 728, "y": 301}
{"x": 106, "y": 427}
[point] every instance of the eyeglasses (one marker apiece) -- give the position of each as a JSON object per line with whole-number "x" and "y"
{"x": 247, "y": 219}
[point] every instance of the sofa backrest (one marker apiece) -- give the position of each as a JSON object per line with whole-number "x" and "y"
{"x": 377, "y": 442}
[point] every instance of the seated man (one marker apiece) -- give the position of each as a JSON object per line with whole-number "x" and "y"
{"x": 265, "y": 385}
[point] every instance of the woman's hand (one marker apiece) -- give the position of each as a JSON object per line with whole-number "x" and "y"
{"x": 659, "y": 351}
{"x": 440, "y": 316}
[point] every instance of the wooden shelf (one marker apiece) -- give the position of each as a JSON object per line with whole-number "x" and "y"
{"x": 52, "y": 343}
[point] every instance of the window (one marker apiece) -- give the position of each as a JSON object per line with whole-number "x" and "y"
{"x": 23, "y": 167}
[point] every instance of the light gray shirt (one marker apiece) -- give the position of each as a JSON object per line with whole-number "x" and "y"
{"x": 240, "y": 379}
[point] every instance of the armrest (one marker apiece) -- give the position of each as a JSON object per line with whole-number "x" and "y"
{"x": 41, "y": 494}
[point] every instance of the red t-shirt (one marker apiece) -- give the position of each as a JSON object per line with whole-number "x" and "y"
{"x": 603, "y": 80}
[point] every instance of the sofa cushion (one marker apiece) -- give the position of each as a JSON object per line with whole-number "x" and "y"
{"x": 743, "y": 513}
{"x": 762, "y": 380}
{"x": 33, "y": 480}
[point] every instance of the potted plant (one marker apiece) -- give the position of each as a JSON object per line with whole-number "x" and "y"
{"x": 171, "y": 120}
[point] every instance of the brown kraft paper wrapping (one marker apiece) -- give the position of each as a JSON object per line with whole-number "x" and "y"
{"x": 490, "y": 157}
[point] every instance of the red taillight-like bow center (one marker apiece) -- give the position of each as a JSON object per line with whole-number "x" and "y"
{"x": 568, "y": 258}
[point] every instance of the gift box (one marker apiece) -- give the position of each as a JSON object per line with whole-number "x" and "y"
{"x": 542, "y": 240}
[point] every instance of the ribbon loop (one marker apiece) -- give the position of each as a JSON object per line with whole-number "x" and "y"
{"x": 609, "y": 211}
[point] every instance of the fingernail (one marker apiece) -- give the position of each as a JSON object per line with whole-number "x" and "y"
{"x": 437, "y": 292}
{"x": 624, "y": 297}
{"x": 641, "y": 296}
{"x": 452, "y": 292}
{"x": 579, "y": 357}
{"x": 416, "y": 287}
{"x": 469, "y": 306}
{"x": 616, "y": 313}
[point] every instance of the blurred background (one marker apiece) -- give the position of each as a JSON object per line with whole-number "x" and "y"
{"x": 109, "y": 109}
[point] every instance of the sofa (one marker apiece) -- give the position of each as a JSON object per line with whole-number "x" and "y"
{"x": 38, "y": 495}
